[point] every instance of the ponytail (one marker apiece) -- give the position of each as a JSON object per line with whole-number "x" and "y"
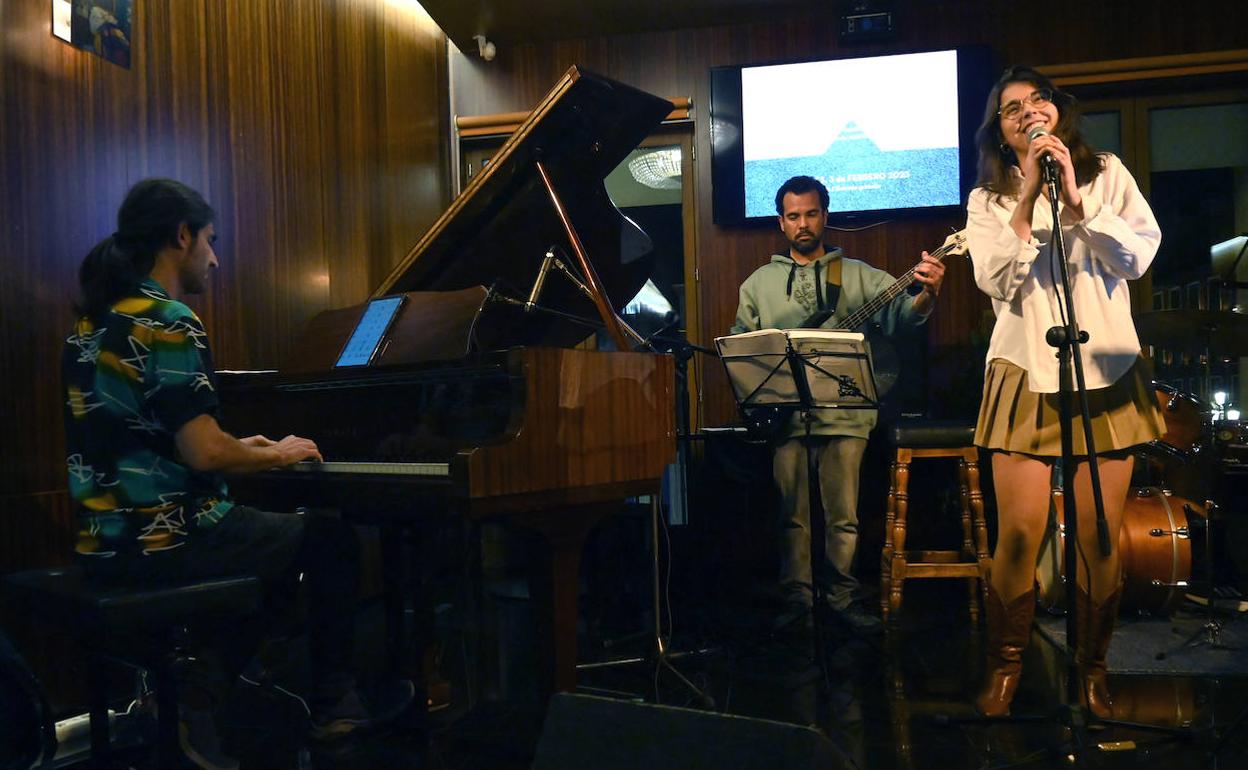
{"x": 106, "y": 275}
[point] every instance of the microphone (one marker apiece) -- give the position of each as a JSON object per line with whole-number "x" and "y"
{"x": 541, "y": 279}
{"x": 1046, "y": 160}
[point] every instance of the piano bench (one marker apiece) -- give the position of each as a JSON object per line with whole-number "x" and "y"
{"x": 140, "y": 626}
{"x": 915, "y": 439}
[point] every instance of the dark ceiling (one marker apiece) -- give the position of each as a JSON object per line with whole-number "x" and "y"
{"x": 512, "y": 22}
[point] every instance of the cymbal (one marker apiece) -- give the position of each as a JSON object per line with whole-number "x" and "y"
{"x": 1221, "y": 333}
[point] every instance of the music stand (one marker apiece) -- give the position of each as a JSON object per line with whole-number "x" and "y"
{"x": 803, "y": 370}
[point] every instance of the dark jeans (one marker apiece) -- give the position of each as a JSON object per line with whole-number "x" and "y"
{"x": 283, "y": 550}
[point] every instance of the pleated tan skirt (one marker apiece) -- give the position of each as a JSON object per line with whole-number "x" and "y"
{"x": 1013, "y": 418}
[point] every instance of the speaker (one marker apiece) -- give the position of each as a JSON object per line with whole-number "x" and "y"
{"x": 605, "y": 734}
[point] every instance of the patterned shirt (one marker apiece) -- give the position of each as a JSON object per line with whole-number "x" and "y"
{"x": 132, "y": 378}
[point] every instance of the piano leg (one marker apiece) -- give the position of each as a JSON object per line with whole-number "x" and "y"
{"x": 403, "y": 575}
{"x": 554, "y": 584}
{"x": 398, "y": 589}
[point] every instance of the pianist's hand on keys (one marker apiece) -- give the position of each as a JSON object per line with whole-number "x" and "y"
{"x": 291, "y": 449}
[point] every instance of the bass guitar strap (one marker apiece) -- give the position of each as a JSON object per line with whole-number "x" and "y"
{"x": 834, "y": 284}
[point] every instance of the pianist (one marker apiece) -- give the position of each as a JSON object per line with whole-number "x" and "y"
{"x": 792, "y": 287}
{"x": 145, "y": 457}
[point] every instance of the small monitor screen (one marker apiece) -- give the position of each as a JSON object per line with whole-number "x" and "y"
{"x": 879, "y": 132}
{"x": 370, "y": 331}
{"x": 887, "y": 135}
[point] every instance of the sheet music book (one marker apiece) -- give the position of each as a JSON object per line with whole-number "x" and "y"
{"x": 839, "y": 371}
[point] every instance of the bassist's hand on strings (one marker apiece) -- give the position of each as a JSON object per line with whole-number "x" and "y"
{"x": 929, "y": 273}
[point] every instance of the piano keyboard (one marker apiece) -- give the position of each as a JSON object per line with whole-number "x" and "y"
{"x": 374, "y": 469}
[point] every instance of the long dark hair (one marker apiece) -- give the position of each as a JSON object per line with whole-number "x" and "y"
{"x": 996, "y": 157}
{"x": 147, "y": 222}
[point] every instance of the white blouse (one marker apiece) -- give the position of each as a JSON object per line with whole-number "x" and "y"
{"x": 1114, "y": 242}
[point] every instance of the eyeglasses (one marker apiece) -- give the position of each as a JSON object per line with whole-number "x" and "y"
{"x": 1012, "y": 110}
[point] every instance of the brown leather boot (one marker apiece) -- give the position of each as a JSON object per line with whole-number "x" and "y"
{"x": 1009, "y": 629}
{"x": 1096, "y": 626}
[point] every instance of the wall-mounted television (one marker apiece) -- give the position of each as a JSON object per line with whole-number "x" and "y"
{"x": 885, "y": 134}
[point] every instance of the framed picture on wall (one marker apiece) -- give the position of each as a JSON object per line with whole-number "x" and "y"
{"x": 99, "y": 26}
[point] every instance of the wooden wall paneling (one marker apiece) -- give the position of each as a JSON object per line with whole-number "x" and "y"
{"x": 1073, "y": 76}
{"x": 415, "y": 153}
{"x": 216, "y": 68}
{"x": 273, "y": 103}
{"x": 247, "y": 282}
{"x": 48, "y": 163}
{"x": 307, "y": 225}
{"x": 696, "y": 367}
{"x": 352, "y": 77}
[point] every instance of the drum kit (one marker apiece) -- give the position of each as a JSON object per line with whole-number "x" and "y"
{"x": 1179, "y": 484}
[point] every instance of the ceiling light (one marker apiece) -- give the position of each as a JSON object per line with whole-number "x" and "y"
{"x": 659, "y": 168}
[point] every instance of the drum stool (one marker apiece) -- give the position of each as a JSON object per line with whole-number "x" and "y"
{"x": 925, "y": 439}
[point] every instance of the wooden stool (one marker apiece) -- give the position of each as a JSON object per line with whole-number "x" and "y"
{"x": 915, "y": 439}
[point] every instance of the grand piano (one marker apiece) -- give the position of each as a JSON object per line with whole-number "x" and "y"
{"x": 477, "y": 404}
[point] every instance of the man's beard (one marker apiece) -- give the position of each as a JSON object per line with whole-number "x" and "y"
{"x": 805, "y": 247}
{"x": 192, "y": 283}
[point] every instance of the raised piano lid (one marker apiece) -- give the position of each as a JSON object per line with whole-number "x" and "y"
{"x": 499, "y": 228}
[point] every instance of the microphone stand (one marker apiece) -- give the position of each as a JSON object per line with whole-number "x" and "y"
{"x": 660, "y": 655}
{"x": 1068, "y": 340}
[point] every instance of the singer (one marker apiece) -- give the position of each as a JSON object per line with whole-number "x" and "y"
{"x": 1111, "y": 237}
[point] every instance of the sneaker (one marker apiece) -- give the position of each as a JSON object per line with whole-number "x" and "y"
{"x": 856, "y": 620}
{"x": 794, "y": 618}
{"x": 199, "y": 741}
{"x": 353, "y": 714}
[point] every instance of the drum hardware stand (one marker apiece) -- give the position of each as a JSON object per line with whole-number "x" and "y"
{"x": 1210, "y": 631}
{"x": 1230, "y": 730}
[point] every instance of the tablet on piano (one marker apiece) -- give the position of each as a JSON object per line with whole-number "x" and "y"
{"x": 365, "y": 342}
